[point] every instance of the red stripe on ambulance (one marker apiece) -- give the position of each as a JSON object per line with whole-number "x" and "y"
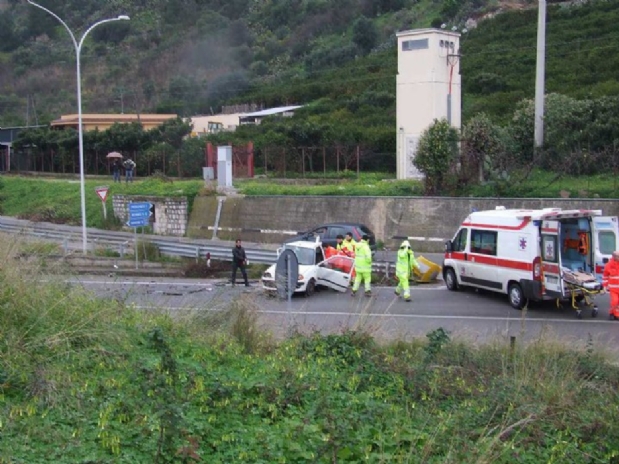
{"x": 520, "y": 226}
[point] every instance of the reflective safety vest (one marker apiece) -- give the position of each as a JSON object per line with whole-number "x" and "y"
{"x": 349, "y": 245}
{"x": 363, "y": 257}
{"x": 610, "y": 279}
{"x": 405, "y": 263}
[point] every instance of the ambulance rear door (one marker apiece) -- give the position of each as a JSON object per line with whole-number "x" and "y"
{"x": 551, "y": 257}
{"x": 605, "y": 230}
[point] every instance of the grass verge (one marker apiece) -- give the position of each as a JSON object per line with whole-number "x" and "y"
{"x": 58, "y": 200}
{"x": 90, "y": 380}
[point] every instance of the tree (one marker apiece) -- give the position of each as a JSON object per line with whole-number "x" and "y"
{"x": 436, "y": 155}
{"x": 566, "y": 129}
{"x": 9, "y": 41}
{"x": 364, "y": 34}
{"x": 484, "y": 150}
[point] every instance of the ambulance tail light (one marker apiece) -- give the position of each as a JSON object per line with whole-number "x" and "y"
{"x": 537, "y": 268}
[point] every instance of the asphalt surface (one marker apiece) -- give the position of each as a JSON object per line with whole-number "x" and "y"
{"x": 474, "y": 316}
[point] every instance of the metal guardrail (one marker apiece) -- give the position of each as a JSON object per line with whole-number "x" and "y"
{"x": 167, "y": 246}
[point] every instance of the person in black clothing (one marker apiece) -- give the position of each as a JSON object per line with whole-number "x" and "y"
{"x": 116, "y": 171}
{"x": 239, "y": 261}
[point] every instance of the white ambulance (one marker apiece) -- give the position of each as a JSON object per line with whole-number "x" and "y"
{"x": 528, "y": 254}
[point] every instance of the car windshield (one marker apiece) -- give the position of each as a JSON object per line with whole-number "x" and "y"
{"x": 304, "y": 255}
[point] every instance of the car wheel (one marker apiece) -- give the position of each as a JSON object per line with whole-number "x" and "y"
{"x": 311, "y": 288}
{"x": 516, "y": 297}
{"x": 450, "y": 280}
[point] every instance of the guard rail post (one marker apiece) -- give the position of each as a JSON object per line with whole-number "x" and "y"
{"x": 197, "y": 254}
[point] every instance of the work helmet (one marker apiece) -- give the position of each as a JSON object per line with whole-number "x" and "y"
{"x": 405, "y": 244}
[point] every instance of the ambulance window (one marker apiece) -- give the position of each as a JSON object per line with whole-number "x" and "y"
{"x": 459, "y": 243}
{"x": 549, "y": 248}
{"x": 607, "y": 242}
{"x": 483, "y": 241}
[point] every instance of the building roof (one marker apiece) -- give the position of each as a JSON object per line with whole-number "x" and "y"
{"x": 67, "y": 119}
{"x": 271, "y": 111}
{"x": 414, "y": 32}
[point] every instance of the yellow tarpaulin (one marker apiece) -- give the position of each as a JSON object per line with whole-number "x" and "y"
{"x": 427, "y": 271}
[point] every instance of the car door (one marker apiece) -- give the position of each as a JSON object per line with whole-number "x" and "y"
{"x": 335, "y": 272}
{"x": 459, "y": 255}
{"x": 482, "y": 267}
{"x": 604, "y": 240}
{"x": 551, "y": 258}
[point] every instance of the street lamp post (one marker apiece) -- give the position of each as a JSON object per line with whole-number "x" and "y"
{"x": 80, "y": 130}
{"x": 540, "y": 71}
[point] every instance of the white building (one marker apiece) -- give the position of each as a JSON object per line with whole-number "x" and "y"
{"x": 428, "y": 88}
{"x": 204, "y": 125}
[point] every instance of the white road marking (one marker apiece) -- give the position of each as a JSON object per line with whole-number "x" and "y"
{"x": 386, "y": 315}
{"x": 194, "y": 284}
{"x": 262, "y": 231}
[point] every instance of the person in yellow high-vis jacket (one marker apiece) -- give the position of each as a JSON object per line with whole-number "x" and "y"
{"x": 405, "y": 263}
{"x": 349, "y": 244}
{"x": 363, "y": 266}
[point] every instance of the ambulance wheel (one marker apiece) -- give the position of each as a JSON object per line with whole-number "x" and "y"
{"x": 450, "y": 280}
{"x": 311, "y": 288}
{"x": 516, "y": 297}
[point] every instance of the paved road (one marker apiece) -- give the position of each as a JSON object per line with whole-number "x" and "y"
{"x": 467, "y": 314}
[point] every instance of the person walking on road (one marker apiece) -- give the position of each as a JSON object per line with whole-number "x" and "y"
{"x": 239, "y": 261}
{"x": 129, "y": 166}
{"x": 116, "y": 171}
{"x": 363, "y": 266}
{"x": 610, "y": 282}
{"x": 405, "y": 263}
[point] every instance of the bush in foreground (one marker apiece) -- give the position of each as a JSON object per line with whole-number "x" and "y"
{"x": 87, "y": 380}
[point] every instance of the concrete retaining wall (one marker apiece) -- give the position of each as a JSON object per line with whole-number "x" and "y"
{"x": 429, "y": 220}
{"x": 170, "y": 212}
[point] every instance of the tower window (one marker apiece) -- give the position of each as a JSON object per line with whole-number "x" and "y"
{"x": 419, "y": 44}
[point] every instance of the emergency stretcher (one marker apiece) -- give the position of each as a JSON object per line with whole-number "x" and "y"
{"x": 582, "y": 287}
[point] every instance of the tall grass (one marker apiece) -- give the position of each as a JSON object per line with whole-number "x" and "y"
{"x": 90, "y": 380}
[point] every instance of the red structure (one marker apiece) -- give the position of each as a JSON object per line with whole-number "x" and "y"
{"x": 242, "y": 160}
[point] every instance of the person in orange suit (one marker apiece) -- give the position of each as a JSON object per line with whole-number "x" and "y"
{"x": 330, "y": 251}
{"x": 610, "y": 282}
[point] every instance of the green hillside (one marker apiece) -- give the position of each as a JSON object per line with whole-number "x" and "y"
{"x": 582, "y": 59}
{"x": 336, "y": 57}
{"x": 192, "y": 56}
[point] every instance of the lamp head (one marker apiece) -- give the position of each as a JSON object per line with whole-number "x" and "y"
{"x": 123, "y": 17}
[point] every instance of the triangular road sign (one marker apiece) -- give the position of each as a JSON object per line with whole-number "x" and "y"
{"x": 102, "y": 192}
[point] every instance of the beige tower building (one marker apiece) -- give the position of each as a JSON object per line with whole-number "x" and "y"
{"x": 428, "y": 88}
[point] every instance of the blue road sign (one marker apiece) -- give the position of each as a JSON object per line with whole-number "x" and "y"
{"x": 139, "y": 214}
{"x": 138, "y": 222}
{"x": 139, "y": 207}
